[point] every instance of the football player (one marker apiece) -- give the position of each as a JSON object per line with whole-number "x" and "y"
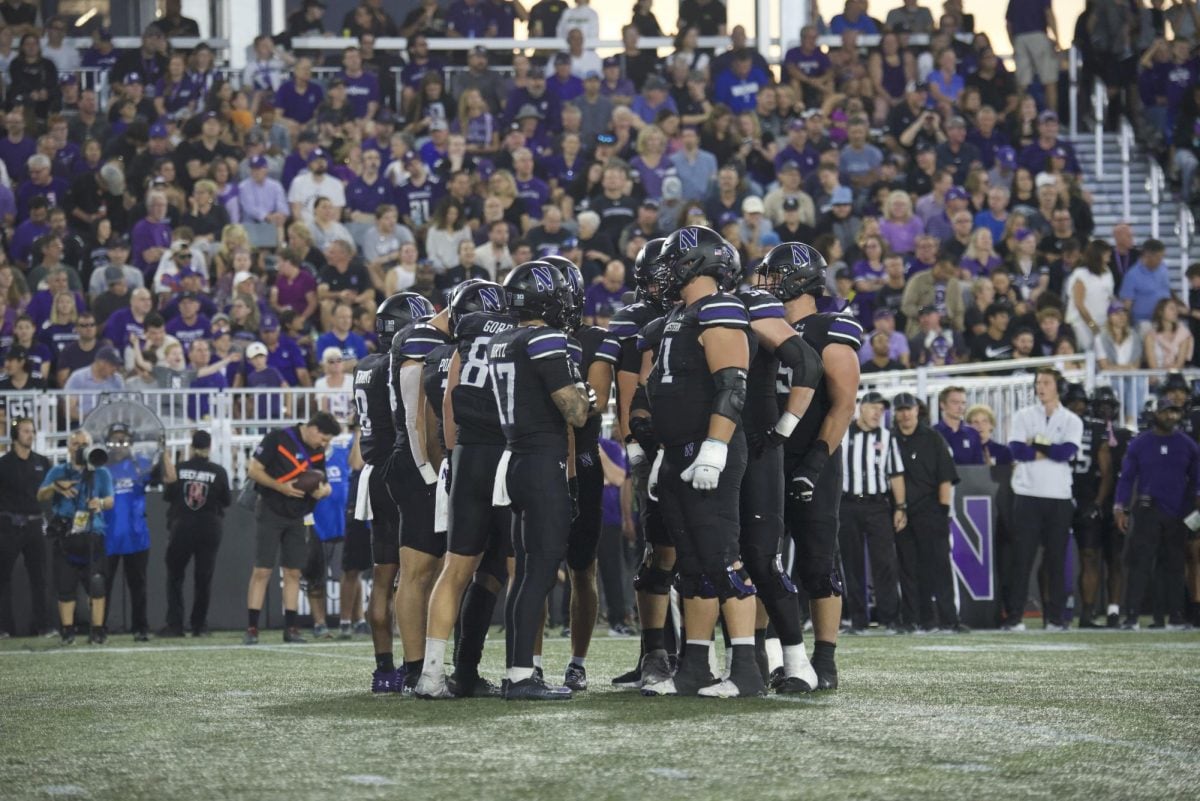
{"x": 378, "y": 486}
{"x": 1092, "y": 482}
{"x": 595, "y": 353}
{"x": 1107, "y": 408}
{"x": 478, "y": 532}
{"x": 795, "y": 273}
{"x": 780, "y": 351}
{"x": 652, "y": 583}
{"x": 421, "y": 548}
{"x": 540, "y": 396}
{"x": 697, "y": 391}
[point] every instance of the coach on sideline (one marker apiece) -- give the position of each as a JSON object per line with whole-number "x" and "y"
{"x": 1044, "y": 438}
{"x": 281, "y": 457}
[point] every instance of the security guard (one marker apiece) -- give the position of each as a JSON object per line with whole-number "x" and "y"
{"x": 21, "y": 525}
{"x": 198, "y": 493}
{"x": 924, "y": 545}
{"x": 871, "y": 464}
{"x": 1164, "y": 463}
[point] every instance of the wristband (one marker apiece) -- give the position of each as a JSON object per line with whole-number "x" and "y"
{"x": 428, "y": 474}
{"x": 902, "y": 507}
{"x": 786, "y": 425}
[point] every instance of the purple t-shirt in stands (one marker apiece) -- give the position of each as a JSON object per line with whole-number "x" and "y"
{"x": 360, "y": 91}
{"x": 15, "y": 155}
{"x": 198, "y": 404}
{"x": 269, "y": 403}
{"x": 189, "y": 333}
{"x": 149, "y": 234}
{"x": 297, "y": 105}
{"x": 292, "y": 292}
{"x": 599, "y": 302}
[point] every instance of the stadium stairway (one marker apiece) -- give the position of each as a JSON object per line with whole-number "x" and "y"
{"x": 1107, "y": 205}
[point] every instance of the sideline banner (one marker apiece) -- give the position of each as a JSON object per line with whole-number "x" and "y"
{"x": 981, "y": 516}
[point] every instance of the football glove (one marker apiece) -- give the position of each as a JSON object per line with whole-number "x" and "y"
{"x": 705, "y": 472}
{"x": 428, "y": 474}
{"x": 634, "y": 453}
{"x": 652, "y": 482}
{"x": 805, "y": 476}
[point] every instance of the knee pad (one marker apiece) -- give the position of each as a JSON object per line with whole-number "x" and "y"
{"x": 735, "y": 583}
{"x": 770, "y": 579}
{"x": 96, "y": 588}
{"x": 695, "y": 585}
{"x": 652, "y": 580}
{"x": 825, "y": 585}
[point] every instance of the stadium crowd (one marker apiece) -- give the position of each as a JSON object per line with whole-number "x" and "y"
{"x": 203, "y": 228}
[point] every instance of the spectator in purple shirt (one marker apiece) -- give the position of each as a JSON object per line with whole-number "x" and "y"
{"x": 295, "y": 288}
{"x": 40, "y": 183}
{"x": 964, "y": 441}
{"x": 562, "y": 84}
{"x": 362, "y": 87}
{"x": 283, "y": 353}
{"x": 189, "y": 325}
{"x": 200, "y": 357}
{"x": 653, "y": 99}
{"x": 124, "y": 323}
{"x": 1037, "y": 154}
{"x": 531, "y": 190}
{"x": 151, "y": 235}
{"x": 299, "y": 97}
{"x": 602, "y": 299}
{"x": 469, "y": 19}
{"x": 16, "y": 147}
{"x": 21, "y": 243}
{"x": 263, "y": 376}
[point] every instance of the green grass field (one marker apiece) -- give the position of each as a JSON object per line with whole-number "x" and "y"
{"x": 1100, "y": 715}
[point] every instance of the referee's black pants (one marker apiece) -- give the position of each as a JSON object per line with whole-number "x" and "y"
{"x": 1156, "y": 540}
{"x": 190, "y": 541}
{"x": 926, "y": 578}
{"x": 25, "y": 540}
{"x": 866, "y": 530}
{"x": 1044, "y": 523}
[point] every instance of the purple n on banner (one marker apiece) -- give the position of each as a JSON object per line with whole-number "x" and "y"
{"x": 972, "y": 545}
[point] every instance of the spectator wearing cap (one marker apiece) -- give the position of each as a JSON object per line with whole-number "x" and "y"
{"x": 754, "y": 228}
{"x": 260, "y": 375}
{"x": 872, "y": 466}
{"x": 791, "y": 228}
{"x": 694, "y": 166}
{"x": 738, "y": 86}
{"x": 284, "y": 353}
{"x": 1029, "y": 272}
{"x": 1145, "y": 285}
{"x": 956, "y": 154}
{"x": 17, "y": 377}
{"x": 897, "y": 344}
{"x": 261, "y": 198}
{"x": 84, "y": 385}
{"x": 930, "y": 342}
{"x": 613, "y": 84}
{"x": 536, "y": 94}
{"x": 840, "y": 220}
{"x": 562, "y": 83}
{"x": 653, "y": 100}
{"x": 923, "y": 545}
{"x": 956, "y": 201}
{"x": 603, "y": 298}
{"x": 115, "y": 296}
{"x": 189, "y": 325}
{"x": 299, "y": 97}
{"x": 1036, "y": 156}
{"x": 797, "y": 150}
{"x": 808, "y": 68}
{"x": 314, "y": 183}
{"x": 789, "y": 188}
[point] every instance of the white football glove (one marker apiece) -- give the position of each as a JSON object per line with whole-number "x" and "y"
{"x": 652, "y": 482}
{"x": 635, "y": 455}
{"x": 705, "y": 472}
{"x": 428, "y": 474}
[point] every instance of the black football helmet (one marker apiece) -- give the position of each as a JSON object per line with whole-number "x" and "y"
{"x": 574, "y": 280}
{"x": 791, "y": 270}
{"x": 1076, "y": 393}
{"x": 538, "y": 290}
{"x": 1105, "y": 404}
{"x": 476, "y": 295}
{"x": 398, "y": 311}
{"x": 644, "y": 266}
{"x": 691, "y": 252}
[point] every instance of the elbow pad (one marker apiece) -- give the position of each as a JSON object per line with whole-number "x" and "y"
{"x": 731, "y": 393}
{"x": 803, "y": 360}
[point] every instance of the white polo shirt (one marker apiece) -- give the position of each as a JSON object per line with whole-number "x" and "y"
{"x": 1045, "y": 478}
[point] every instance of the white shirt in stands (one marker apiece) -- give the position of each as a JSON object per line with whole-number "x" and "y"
{"x": 340, "y": 399}
{"x": 305, "y": 190}
{"x": 1045, "y": 478}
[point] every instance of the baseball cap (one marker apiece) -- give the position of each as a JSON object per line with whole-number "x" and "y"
{"x": 118, "y": 241}
{"x": 256, "y": 349}
{"x": 1059, "y": 152}
{"x": 1021, "y": 234}
{"x": 842, "y": 196}
{"x": 1117, "y": 306}
{"x": 591, "y": 75}
{"x": 17, "y": 352}
{"x": 956, "y": 122}
{"x": 796, "y": 125}
{"x": 651, "y": 203}
{"x": 810, "y": 113}
{"x": 242, "y": 275}
{"x": 905, "y": 400}
{"x": 113, "y": 275}
{"x": 884, "y": 312}
{"x": 118, "y": 428}
{"x": 916, "y": 86}
{"x": 654, "y": 82}
{"x": 68, "y": 78}
{"x": 928, "y": 308}
{"x": 202, "y": 440}
{"x": 159, "y": 131}
{"x": 843, "y": 274}
{"x": 874, "y": 397}
{"x": 385, "y": 116}
{"x": 791, "y": 203}
{"x": 258, "y": 162}
{"x": 612, "y": 61}
{"x": 562, "y": 58}
{"x": 439, "y": 125}
{"x": 570, "y": 243}
{"x": 269, "y": 322}
{"x": 790, "y": 164}
{"x": 479, "y": 50}
{"x": 1007, "y": 157}
{"x": 189, "y": 295}
{"x": 752, "y": 205}
{"x": 256, "y": 137}
{"x": 956, "y": 193}
{"x": 317, "y": 153}
{"x": 925, "y": 147}
{"x": 528, "y": 111}
{"x": 132, "y": 77}
{"x": 108, "y": 353}
{"x": 220, "y": 317}
{"x": 537, "y": 71}
{"x": 1047, "y": 116}
{"x": 726, "y": 218}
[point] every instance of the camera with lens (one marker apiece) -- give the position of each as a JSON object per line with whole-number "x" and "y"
{"x": 91, "y": 457}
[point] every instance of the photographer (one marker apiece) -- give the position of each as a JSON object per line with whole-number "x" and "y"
{"x": 22, "y": 524}
{"x": 78, "y": 492}
{"x": 127, "y": 535}
{"x": 198, "y": 493}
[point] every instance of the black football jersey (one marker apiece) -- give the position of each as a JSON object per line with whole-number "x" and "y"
{"x": 586, "y": 345}
{"x": 1084, "y": 465}
{"x": 762, "y": 410}
{"x": 434, "y": 375}
{"x": 681, "y": 387}
{"x": 527, "y": 365}
{"x": 625, "y": 326}
{"x": 474, "y": 401}
{"x": 822, "y": 330}
{"x": 414, "y": 342}
{"x": 373, "y": 403}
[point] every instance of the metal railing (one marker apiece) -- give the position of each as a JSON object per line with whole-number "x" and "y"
{"x": 1185, "y": 226}
{"x": 1099, "y": 110}
{"x": 1073, "y": 94}
{"x": 1126, "y": 137}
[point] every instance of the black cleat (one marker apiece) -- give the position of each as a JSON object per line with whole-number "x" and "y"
{"x": 68, "y": 636}
{"x": 1113, "y": 621}
{"x": 630, "y": 680}
{"x": 777, "y": 678}
{"x": 1130, "y": 624}
{"x": 251, "y": 636}
{"x": 827, "y": 677}
{"x": 689, "y": 682}
{"x": 292, "y": 635}
{"x": 576, "y": 678}
{"x": 141, "y": 636}
{"x": 749, "y": 682}
{"x": 791, "y": 685}
{"x": 534, "y": 689}
{"x": 472, "y": 686}
{"x": 99, "y": 636}
{"x": 169, "y": 633}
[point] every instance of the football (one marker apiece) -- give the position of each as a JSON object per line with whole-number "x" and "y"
{"x": 308, "y": 481}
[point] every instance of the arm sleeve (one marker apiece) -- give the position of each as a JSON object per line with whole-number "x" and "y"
{"x": 1129, "y": 470}
{"x": 410, "y": 385}
{"x": 1022, "y": 451}
{"x": 1063, "y": 451}
{"x": 895, "y": 462}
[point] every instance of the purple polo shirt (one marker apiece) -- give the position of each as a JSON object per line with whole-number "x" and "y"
{"x": 292, "y": 292}
{"x": 55, "y": 193}
{"x": 149, "y": 234}
{"x": 365, "y": 197}
{"x": 965, "y": 445}
{"x": 360, "y": 91}
{"x": 814, "y": 63}
{"x": 119, "y": 326}
{"x": 269, "y": 403}
{"x": 287, "y": 358}
{"x": 297, "y": 105}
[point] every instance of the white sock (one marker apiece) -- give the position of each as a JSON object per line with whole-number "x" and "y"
{"x": 435, "y": 657}
{"x": 741, "y": 641}
{"x": 516, "y": 674}
{"x": 795, "y": 661}
{"x": 1113, "y": 609}
{"x": 361, "y": 621}
{"x": 537, "y": 660}
{"x": 774, "y": 654}
{"x": 705, "y": 643}
{"x": 578, "y": 660}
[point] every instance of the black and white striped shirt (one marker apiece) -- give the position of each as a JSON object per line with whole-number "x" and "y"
{"x": 869, "y": 458}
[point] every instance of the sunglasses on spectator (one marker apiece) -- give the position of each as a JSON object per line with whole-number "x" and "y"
{"x": 85, "y": 325}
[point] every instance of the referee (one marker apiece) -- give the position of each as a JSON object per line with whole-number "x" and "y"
{"x": 871, "y": 463}
{"x": 1045, "y": 438}
{"x": 926, "y": 579}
